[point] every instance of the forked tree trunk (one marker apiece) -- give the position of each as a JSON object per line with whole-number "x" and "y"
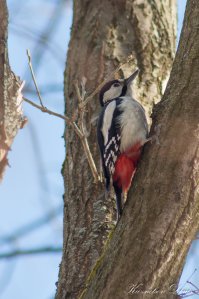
{"x": 103, "y": 34}
{"x": 161, "y": 216}
{"x": 11, "y": 119}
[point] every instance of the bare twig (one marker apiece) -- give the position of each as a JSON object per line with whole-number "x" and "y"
{"x": 188, "y": 293}
{"x": 21, "y": 252}
{"x": 78, "y": 92}
{"x": 81, "y": 107}
{"x": 31, "y": 226}
{"x": 84, "y": 140}
{"x": 192, "y": 284}
{"x": 83, "y": 87}
{"x": 90, "y": 159}
{"x": 66, "y": 118}
{"x": 33, "y": 77}
{"x": 78, "y": 132}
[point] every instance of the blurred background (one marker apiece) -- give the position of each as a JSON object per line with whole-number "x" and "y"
{"x": 31, "y": 193}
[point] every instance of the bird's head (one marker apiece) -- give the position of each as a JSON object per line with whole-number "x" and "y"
{"x": 116, "y": 88}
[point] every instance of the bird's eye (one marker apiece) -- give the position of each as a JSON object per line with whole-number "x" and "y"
{"x": 116, "y": 84}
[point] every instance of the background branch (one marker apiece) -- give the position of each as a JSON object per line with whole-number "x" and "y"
{"x": 30, "y": 227}
{"x": 20, "y": 252}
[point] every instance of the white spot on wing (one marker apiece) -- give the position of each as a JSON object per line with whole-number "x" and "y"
{"x": 112, "y": 140}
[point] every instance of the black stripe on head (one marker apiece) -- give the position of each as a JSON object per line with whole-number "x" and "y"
{"x": 106, "y": 87}
{"x": 124, "y": 89}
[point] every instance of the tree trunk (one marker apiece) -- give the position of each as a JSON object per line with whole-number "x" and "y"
{"x": 104, "y": 33}
{"x": 161, "y": 216}
{"x": 11, "y": 119}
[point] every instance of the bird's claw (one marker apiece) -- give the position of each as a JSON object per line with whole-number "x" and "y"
{"x": 155, "y": 137}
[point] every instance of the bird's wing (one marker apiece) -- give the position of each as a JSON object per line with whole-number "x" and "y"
{"x": 109, "y": 138}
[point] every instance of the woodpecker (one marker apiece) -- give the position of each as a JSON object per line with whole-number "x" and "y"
{"x": 122, "y": 131}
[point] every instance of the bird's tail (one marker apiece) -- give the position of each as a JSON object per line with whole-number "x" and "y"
{"x": 118, "y": 193}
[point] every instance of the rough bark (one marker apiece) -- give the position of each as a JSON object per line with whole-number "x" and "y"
{"x": 104, "y": 33}
{"x": 11, "y": 119}
{"x": 161, "y": 215}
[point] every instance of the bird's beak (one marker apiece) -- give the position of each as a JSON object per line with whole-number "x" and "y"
{"x": 132, "y": 77}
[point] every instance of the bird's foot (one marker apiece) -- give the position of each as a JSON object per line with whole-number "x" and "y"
{"x": 124, "y": 197}
{"x": 155, "y": 137}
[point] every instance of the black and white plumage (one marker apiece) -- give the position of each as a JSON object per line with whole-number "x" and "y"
{"x": 109, "y": 136}
{"x": 122, "y": 131}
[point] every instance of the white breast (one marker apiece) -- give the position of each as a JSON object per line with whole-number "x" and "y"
{"x": 133, "y": 123}
{"x": 107, "y": 120}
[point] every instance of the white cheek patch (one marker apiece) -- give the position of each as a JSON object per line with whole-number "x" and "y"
{"x": 113, "y": 92}
{"x": 107, "y": 120}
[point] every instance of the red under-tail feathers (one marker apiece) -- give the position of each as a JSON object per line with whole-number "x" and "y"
{"x": 125, "y": 167}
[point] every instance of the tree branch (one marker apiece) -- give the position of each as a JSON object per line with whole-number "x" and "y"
{"x": 33, "y": 77}
{"x": 84, "y": 140}
{"x": 48, "y": 111}
{"x": 20, "y": 252}
{"x": 77, "y": 131}
{"x": 29, "y": 227}
{"x": 80, "y": 132}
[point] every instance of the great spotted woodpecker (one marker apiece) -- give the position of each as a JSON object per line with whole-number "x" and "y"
{"x": 122, "y": 131}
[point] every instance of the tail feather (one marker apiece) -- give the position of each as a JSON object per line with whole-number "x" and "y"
{"x": 107, "y": 179}
{"x": 118, "y": 192}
